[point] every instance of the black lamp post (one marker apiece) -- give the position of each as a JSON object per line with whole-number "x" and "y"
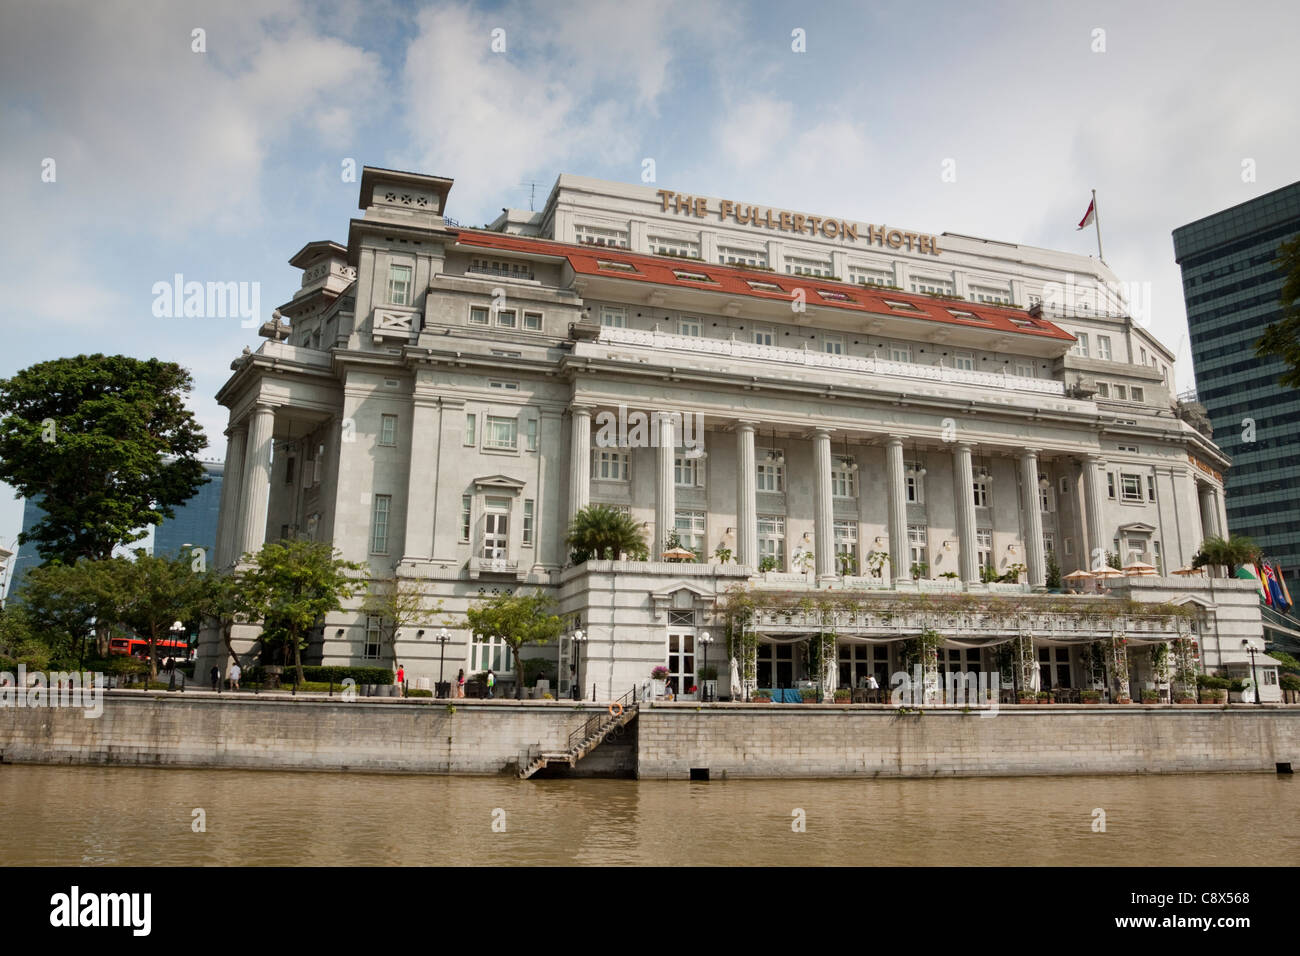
{"x": 442, "y": 638}
{"x": 706, "y": 640}
{"x": 578, "y": 639}
{"x": 1252, "y": 651}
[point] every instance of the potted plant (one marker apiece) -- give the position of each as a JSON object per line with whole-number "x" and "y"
{"x": 721, "y": 554}
{"x": 1044, "y": 697}
{"x": 847, "y": 562}
{"x": 843, "y": 695}
{"x": 1150, "y": 696}
{"x": 809, "y": 695}
{"x": 1090, "y": 696}
{"x": 919, "y": 570}
{"x": 1215, "y": 695}
{"x": 767, "y": 563}
{"x": 762, "y": 696}
{"x": 1028, "y": 697}
{"x": 951, "y": 575}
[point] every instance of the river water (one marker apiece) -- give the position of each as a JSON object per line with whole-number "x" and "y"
{"x": 118, "y": 815}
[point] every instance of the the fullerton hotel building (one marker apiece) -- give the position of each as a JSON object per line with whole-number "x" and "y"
{"x": 850, "y": 413}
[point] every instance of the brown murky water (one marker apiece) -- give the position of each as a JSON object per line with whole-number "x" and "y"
{"x": 98, "y": 816}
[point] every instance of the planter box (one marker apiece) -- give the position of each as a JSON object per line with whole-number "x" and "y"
{"x": 1186, "y": 700}
{"x": 760, "y": 700}
{"x": 1123, "y": 700}
{"x": 1092, "y": 701}
{"x": 1028, "y": 700}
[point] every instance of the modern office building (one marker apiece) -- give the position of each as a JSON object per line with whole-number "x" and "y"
{"x": 870, "y": 432}
{"x": 1231, "y": 287}
{"x": 194, "y": 524}
{"x": 27, "y": 556}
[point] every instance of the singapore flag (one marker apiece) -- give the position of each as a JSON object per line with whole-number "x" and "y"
{"x": 1089, "y": 216}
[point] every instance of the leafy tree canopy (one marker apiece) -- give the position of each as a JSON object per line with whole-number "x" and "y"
{"x": 105, "y": 443}
{"x": 1282, "y": 338}
{"x": 518, "y": 619}
{"x": 599, "y": 531}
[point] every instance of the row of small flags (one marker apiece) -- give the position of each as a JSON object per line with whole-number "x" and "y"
{"x": 1272, "y": 586}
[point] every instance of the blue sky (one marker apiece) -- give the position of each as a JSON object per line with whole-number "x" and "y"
{"x": 219, "y": 165}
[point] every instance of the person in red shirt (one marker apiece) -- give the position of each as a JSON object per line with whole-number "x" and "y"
{"x": 401, "y": 680}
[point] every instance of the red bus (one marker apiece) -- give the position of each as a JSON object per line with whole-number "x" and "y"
{"x": 139, "y": 647}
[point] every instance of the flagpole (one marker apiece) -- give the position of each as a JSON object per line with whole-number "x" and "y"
{"x": 1096, "y": 221}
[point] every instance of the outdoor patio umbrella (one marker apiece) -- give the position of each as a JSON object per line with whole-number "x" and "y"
{"x": 1140, "y": 569}
{"x": 1108, "y": 573}
{"x": 1186, "y": 571}
{"x": 678, "y": 553}
{"x": 1080, "y": 575}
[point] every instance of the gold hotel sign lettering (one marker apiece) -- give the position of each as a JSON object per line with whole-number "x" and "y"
{"x": 785, "y": 221}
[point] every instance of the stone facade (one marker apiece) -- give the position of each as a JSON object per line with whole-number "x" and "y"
{"x": 443, "y": 400}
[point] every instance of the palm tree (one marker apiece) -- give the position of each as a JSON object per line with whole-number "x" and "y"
{"x": 599, "y": 531}
{"x": 1230, "y": 553}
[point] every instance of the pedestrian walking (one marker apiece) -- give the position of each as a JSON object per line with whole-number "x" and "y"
{"x": 215, "y": 674}
{"x": 234, "y": 673}
{"x": 460, "y": 683}
{"x": 401, "y": 680}
{"x": 491, "y": 682}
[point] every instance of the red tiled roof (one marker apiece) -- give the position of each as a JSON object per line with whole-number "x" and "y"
{"x": 729, "y": 280}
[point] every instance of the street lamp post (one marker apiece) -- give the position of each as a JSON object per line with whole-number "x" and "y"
{"x": 578, "y": 639}
{"x": 1246, "y": 645}
{"x": 442, "y": 638}
{"x": 706, "y": 640}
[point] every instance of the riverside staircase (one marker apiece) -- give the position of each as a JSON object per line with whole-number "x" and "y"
{"x": 594, "y": 731}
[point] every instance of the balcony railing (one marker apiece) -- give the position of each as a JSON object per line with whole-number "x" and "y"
{"x": 661, "y": 341}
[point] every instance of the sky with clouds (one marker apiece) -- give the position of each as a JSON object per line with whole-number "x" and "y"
{"x": 220, "y": 164}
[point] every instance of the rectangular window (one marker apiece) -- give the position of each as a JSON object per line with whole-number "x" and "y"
{"x": 797, "y": 266}
{"x": 388, "y": 429}
{"x": 916, "y": 544}
{"x": 478, "y": 315}
{"x": 613, "y": 316}
{"x": 984, "y": 547}
{"x": 991, "y": 296}
{"x": 771, "y": 476}
{"x": 1110, "y": 485}
{"x": 1046, "y": 500}
{"x": 379, "y": 524}
{"x": 1130, "y": 487}
{"x": 1103, "y": 347}
{"x": 932, "y": 286}
{"x": 1081, "y": 347}
{"x": 900, "y": 353}
{"x": 691, "y": 327}
{"x": 528, "y": 521}
{"x": 1120, "y": 392}
{"x": 500, "y": 433}
{"x": 733, "y": 255}
{"x": 844, "y": 479}
{"x": 503, "y": 385}
{"x": 399, "y": 285}
{"x": 1025, "y": 369}
{"x": 690, "y": 530}
{"x": 981, "y": 488}
{"x": 846, "y": 545}
{"x": 497, "y": 267}
{"x": 964, "y": 361}
{"x": 686, "y": 471}
{"x": 762, "y": 336}
{"x": 1144, "y": 355}
{"x": 915, "y": 487}
{"x": 833, "y": 344}
{"x": 533, "y": 321}
{"x": 496, "y": 527}
{"x": 374, "y": 637}
{"x": 491, "y": 653}
{"x": 669, "y": 246}
{"x": 531, "y": 433}
{"x": 1049, "y": 542}
{"x": 600, "y": 236}
{"x": 865, "y": 275}
{"x": 1137, "y": 393}
{"x": 288, "y": 470}
{"x": 466, "y": 509}
{"x": 471, "y": 429}
{"x": 1064, "y": 486}
{"x": 1069, "y": 546}
{"x": 771, "y": 539}
{"x": 610, "y": 465}
{"x": 1103, "y": 389}
{"x": 506, "y": 318}
{"x": 1157, "y": 560}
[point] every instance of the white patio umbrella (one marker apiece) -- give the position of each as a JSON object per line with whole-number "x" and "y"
{"x": 1141, "y": 569}
{"x": 1080, "y": 575}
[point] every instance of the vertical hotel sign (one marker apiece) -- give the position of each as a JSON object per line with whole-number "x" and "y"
{"x": 782, "y": 220}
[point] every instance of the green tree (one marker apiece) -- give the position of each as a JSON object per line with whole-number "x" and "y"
{"x": 105, "y": 443}
{"x": 400, "y": 603}
{"x": 1282, "y": 338}
{"x": 599, "y": 531}
{"x": 519, "y": 620}
{"x": 66, "y": 605}
{"x": 294, "y": 583}
{"x": 152, "y": 594}
{"x": 223, "y": 601}
{"x": 1230, "y": 553}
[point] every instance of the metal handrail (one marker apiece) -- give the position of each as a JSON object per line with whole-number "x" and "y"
{"x": 598, "y": 721}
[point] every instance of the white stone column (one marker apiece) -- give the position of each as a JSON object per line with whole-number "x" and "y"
{"x": 422, "y": 476}
{"x": 1209, "y": 511}
{"x": 1095, "y": 497}
{"x": 824, "y": 513}
{"x": 746, "y": 496}
{"x": 256, "y": 488}
{"x": 665, "y": 487}
{"x": 1035, "y": 558}
{"x": 897, "y": 492}
{"x": 232, "y": 481}
{"x": 964, "y": 502}
{"x": 579, "y": 459}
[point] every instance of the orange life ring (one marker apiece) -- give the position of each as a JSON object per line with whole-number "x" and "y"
{"x": 616, "y": 713}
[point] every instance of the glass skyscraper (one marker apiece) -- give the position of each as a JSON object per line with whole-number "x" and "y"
{"x": 195, "y": 523}
{"x": 1231, "y": 288}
